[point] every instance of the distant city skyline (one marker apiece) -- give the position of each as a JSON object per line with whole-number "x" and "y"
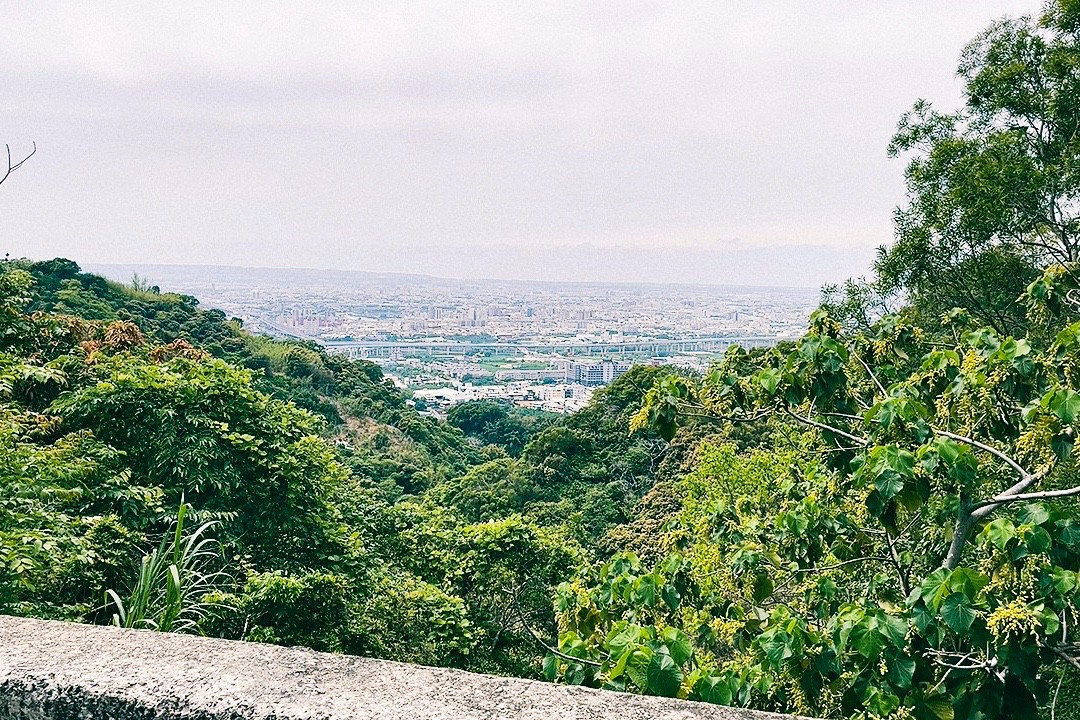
{"x": 539, "y": 344}
{"x": 733, "y": 143}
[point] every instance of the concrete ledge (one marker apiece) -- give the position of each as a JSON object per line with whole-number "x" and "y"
{"x": 63, "y": 671}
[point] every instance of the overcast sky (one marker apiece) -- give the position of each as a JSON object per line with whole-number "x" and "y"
{"x": 721, "y": 141}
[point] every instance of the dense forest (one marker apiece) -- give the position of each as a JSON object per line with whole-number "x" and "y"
{"x": 299, "y": 496}
{"x": 878, "y": 520}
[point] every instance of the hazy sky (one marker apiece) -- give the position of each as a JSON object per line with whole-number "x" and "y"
{"x": 721, "y": 141}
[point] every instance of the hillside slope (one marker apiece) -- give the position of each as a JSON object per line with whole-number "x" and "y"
{"x": 335, "y": 515}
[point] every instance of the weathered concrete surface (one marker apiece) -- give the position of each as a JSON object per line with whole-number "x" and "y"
{"x": 63, "y": 671}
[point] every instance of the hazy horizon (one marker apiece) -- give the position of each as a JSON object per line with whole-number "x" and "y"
{"x": 146, "y": 272}
{"x": 742, "y": 144}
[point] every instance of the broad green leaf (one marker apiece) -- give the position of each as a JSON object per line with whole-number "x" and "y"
{"x": 999, "y": 532}
{"x": 1050, "y": 621}
{"x": 664, "y": 676}
{"x": 677, "y": 644}
{"x": 671, "y": 564}
{"x": 940, "y": 707}
{"x": 619, "y": 667}
{"x": 776, "y": 646}
{"x": 620, "y": 637}
{"x": 551, "y": 668}
{"x": 645, "y": 590}
{"x": 895, "y": 629}
{"x": 670, "y": 595}
{"x": 1033, "y": 513}
{"x": 867, "y": 639}
{"x": 763, "y": 587}
{"x": 882, "y": 704}
{"x": 1069, "y": 532}
{"x": 957, "y": 612}
{"x": 888, "y": 468}
{"x": 967, "y": 581}
{"x": 714, "y": 689}
{"x": 769, "y": 379}
{"x": 1065, "y": 403}
{"x": 637, "y": 666}
{"x": 1062, "y": 445}
{"x": 900, "y": 670}
{"x": 1037, "y": 540}
{"x": 934, "y": 587}
{"x": 889, "y": 484}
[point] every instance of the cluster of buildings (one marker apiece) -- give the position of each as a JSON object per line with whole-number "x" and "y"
{"x": 562, "y": 386}
{"x": 592, "y": 373}
{"x": 537, "y": 344}
{"x": 560, "y": 398}
{"x": 355, "y": 306}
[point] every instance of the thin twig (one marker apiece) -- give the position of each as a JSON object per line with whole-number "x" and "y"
{"x": 871, "y": 374}
{"x": 540, "y": 641}
{"x": 827, "y": 428}
{"x": 12, "y": 168}
{"x": 985, "y": 448}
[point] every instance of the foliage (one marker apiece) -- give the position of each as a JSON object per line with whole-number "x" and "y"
{"x": 583, "y": 473}
{"x": 117, "y": 402}
{"x": 200, "y": 429}
{"x": 905, "y": 547}
{"x": 616, "y": 629}
{"x": 495, "y": 489}
{"x": 992, "y": 187}
{"x": 170, "y": 592}
{"x": 877, "y": 520}
{"x": 941, "y": 466}
{"x": 414, "y": 621}
{"x": 311, "y": 609}
{"x": 492, "y": 422}
{"x": 503, "y": 570}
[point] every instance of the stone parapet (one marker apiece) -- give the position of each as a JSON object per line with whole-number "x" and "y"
{"x": 63, "y": 671}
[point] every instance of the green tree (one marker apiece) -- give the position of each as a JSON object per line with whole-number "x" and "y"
{"x": 492, "y": 422}
{"x": 200, "y": 429}
{"x": 993, "y": 188}
{"x": 938, "y": 487}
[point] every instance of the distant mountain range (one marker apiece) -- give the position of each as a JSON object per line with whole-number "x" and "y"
{"x": 197, "y": 275}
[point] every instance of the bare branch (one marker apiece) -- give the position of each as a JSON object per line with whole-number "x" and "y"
{"x": 828, "y": 428}
{"x": 12, "y": 168}
{"x": 901, "y": 575}
{"x": 1066, "y": 657}
{"x": 16, "y": 166}
{"x": 985, "y": 448}
{"x": 1006, "y": 498}
{"x": 834, "y": 566}
{"x": 871, "y": 374}
{"x": 569, "y": 658}
{"x": 845, "y": 416}
{"x": 540, "y": 641}
{"x": 967, "y": 661}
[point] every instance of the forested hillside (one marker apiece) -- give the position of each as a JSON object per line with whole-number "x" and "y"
{"x": 878, "y": 520}
{"x": 320, "y": 508}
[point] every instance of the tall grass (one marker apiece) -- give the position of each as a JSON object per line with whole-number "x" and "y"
{"x": 173, "y": 581}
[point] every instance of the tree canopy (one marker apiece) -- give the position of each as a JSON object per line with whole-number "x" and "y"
{"x": 993, "y": 187}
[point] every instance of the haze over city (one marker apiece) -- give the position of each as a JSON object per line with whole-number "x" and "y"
{"x": 716, "y": 143}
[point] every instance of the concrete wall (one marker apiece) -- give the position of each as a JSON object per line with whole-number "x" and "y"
{"x": 64, "y": 671}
